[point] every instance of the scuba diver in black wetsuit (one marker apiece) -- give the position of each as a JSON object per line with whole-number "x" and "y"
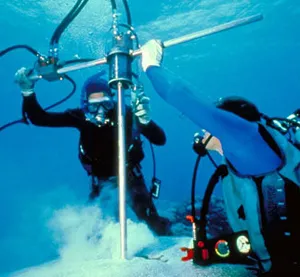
{"x": 96, "y": 121}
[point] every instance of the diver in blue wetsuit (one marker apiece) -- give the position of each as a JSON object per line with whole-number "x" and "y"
{"x": 259, "y": 158}
{"x": 96, "y": 121}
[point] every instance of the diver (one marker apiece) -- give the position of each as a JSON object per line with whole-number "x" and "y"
{"x": 259, "y": 158}
{"x": 266, "y": 206}
{"x": 96, "y": 121}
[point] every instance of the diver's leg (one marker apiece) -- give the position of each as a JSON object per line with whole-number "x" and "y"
{"x": 95, "y": 184}
{"x": 142, "y": 203}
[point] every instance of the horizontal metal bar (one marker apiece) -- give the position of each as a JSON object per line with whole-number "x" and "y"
{"x": 75, "y": 67}
{"x": 209, "y": 31}
{"x": 168, "y": 43}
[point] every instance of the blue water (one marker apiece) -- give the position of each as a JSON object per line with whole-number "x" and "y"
{"x": 40, "y": 171}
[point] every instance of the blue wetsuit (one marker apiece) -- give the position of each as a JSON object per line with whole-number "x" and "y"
{"x": 241, "y": 140}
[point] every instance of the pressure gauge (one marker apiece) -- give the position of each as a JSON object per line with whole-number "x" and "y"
{"x": 243, "y": 244}
{"x": 222, "y": 249}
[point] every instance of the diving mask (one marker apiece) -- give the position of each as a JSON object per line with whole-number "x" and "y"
{"x": 96, "y": 104}
{"x": 98, "y": 109}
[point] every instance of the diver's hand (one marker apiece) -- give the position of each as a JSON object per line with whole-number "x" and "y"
{"x": 152, "y": 54}
{"x": 141, "y": 107}
{"x": 22, "y": 79}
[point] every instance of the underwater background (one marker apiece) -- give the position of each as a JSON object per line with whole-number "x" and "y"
{"x": 40, "y": 171}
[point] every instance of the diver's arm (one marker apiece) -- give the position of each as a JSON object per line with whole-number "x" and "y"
{"x": 241, "y": 141}
{"x": 153, "y": 133}
{"x": 38, "y": 116}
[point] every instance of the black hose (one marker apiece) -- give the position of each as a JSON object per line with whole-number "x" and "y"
{"x": 113, "y": 5}
{"x": 65, "y": 98}
{"x": 20, "y": 46}
{"x": 154, "y": 162}
{"x": 66, "y": 21}
{"x": 201, "y": 150}
{"x": 221, "y": 171}
{"x": 194, "y": 186}
{"x": 127, "y": 10}
{"x": 24, "y": 120}
{"x": 60, "y": 28}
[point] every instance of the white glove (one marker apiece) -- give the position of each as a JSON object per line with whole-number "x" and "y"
{"x": 152, "y": 53}
{"x": 26, "y": 85}
{"x": 141, "y": 107}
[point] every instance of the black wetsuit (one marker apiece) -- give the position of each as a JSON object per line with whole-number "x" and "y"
{"x": 98, "y": 151}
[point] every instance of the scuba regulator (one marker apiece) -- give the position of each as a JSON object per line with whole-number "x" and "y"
{"x": 290, "y": 126}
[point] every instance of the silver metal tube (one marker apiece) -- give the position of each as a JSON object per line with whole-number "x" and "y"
{"x": 81, "y": 66}
{"x": 209, "y": 31}
{"x": 74, "y": 67}
{"x": 122, "y": 172}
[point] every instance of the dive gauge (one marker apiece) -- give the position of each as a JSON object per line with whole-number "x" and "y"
{"x": 222, "y": 248}
{"x": 243, "y": 244}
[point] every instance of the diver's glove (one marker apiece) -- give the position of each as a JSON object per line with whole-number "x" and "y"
{"x": 141, "y": 107}
{"x": 152, "y": 54}
{"x": 22, "y": 79}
